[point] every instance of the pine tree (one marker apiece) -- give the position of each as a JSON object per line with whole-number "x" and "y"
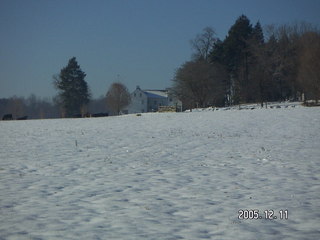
{"x": 236, "y": 57}
{"x": 73, "y": 89}
{"x": 257, "y": 62}
{"x": 257, "y": 34}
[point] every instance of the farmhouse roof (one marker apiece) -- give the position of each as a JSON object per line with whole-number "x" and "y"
{"x": 156, "y": 93}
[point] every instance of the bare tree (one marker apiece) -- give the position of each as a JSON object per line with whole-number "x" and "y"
{"x": 117, "y": 97}
{"x": 199, "y": 84}
{"x": 309, "y": 64}
{"x": 17, "y": 106}
{"x": 203, "y": 44}
{"x": 286, "y": 56}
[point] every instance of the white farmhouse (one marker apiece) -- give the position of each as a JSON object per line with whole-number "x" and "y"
{"x": 150, "y": 100}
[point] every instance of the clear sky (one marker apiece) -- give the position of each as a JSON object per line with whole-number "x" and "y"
{"x": 139, "y": 42}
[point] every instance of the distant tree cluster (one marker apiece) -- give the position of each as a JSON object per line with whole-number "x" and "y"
{"x": 29, "y": 108}
{"x": 34, "y": 107}
{"x": 74, "y": 94}
{"x": 73, "y": 99}
{"x": 248, "y": 66}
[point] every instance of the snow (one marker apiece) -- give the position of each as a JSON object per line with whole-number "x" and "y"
{"x": 162, "y": 175}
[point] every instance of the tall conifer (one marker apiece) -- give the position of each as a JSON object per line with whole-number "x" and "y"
{"x": 73, "y": 89}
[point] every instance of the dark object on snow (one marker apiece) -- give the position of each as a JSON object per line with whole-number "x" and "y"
{"x": 23, "y": 118}
{"x": 7, "y": 117}
{"x": 77, "y": 115}
{"x": 100, "y": 115}
{"x": 312, "y": 104}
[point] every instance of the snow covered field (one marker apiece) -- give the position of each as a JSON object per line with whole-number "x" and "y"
{"x": 162, "y": 176}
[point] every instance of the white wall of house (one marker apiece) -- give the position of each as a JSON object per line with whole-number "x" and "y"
{"x": 139, "y": 102}
{"x": 150, "y": 100}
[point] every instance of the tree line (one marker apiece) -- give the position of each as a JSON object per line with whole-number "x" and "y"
{"x": 34, "y": 107}
{"x": 74, "y": 94}
{"x": 251, "y": 65}
{"x": 73, "y": 99}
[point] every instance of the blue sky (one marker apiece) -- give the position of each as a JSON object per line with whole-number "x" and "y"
{"x": 139, "y": 42}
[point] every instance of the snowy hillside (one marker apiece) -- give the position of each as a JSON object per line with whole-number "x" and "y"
{"x": 162, "y": 176}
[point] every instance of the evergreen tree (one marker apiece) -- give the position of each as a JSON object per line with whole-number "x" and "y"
{"x": 257, "y": 34}
{"x": 73, "y": 89}
{"x": 236, "y": 58}
{"x": 217, "y": 53}
{"x": 219, "y": 56}
{"x": 257, "y": 84}
{"x": 236, "y": 42}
